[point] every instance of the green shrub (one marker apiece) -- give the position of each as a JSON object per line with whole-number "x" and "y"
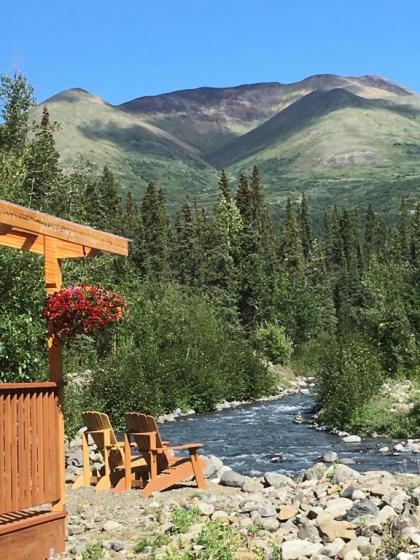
{"x": 182, "y": 518}
{"x": 350, "y": 374}
{"x": 174, "y": 351}
{"x": 272, "y": 342}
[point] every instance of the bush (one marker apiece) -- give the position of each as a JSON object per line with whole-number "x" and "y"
{"x": 272, "y": 342}
{"x": 174, "y": 351}
{"x": 349, "y": 375}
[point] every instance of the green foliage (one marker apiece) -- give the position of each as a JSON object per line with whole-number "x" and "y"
{"x": 93, "y": 551}
{"x": 152, "y": 544}
{"x": 182, "y": 518}
{"x": 173, "y": 350}
{"x": 272, "y": 342}
{"x": 350, "y": 374}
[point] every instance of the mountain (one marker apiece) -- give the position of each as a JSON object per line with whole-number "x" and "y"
{"x": 341, "y": 139}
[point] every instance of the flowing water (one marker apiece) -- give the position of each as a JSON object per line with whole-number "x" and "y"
{"x": 261, "y": 437}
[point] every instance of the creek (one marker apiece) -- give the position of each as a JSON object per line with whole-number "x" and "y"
{"x": 261, "y": 437}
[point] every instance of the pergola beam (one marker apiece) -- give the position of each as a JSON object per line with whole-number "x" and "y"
{"x": 76, "y": 240}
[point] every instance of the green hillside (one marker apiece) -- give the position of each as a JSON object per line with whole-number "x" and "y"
{"x": 136, "y": 150}
{"x": 341, "y": 139}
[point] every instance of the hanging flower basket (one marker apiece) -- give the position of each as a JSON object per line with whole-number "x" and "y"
{"x": 82, "y": 310}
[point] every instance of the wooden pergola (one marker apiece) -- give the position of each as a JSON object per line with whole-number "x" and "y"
{"x": 32, "y": 468}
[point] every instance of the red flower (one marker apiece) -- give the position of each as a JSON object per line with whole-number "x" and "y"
{"x": 82, "y": 310}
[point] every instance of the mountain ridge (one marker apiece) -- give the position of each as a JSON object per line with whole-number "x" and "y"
{"x": 325, "y": 134}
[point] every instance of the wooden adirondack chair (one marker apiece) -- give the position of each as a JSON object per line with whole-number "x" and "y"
{"x": 114, "y": 473}
{"x": 165, "y": 469}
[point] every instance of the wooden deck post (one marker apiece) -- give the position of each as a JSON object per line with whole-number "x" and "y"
{"x": 53, "y": 281}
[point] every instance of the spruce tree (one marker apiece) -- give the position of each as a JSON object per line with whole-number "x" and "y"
{"x": 291, "y": 250}
{"x": 157, "y": 235}
{"x": 305, "y": 227}
{"x": 43, "y": 178}
{"x": 110, "y": 201}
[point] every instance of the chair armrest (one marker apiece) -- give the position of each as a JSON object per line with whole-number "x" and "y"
{"x": 186, "y": 446}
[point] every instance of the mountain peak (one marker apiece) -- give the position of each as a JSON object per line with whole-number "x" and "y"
{"x": 74, "y": 95}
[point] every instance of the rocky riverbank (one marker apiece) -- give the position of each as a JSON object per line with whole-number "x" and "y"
{"x": 330, "y": 511}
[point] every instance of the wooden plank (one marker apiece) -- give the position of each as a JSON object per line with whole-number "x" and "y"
{"x": 25, "y": 241}
{"x": 3, "y": 450}
{"x": 34, "y": 439}
{"x": 39, "y": 223}
{"x": 14, "y": 452}
{"x": 26, "y": 386}
{"x": 9, "y": 448}
{"x": 40, "y": 445}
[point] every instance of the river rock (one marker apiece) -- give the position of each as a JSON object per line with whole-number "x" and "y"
{"x": 205, "y": 508}
{"x": 352, "y": 439}
{"x": 337, "y": 507}
{"x": 316, "y": 472}
{"x": 333, "y": 529}
{"x": 269, "y": 524}
{"x": 308, "y": 531}
{"x": 233, "y": 479}
{"x": 362, "y": 509}
{"x": 329, "y": 457}
{"x": 110, "y": 525}
{"x": 396, "y": 499}
{"x": 287, "y": 512}
{"x": 386, "y": 513}
{"x": 332, "y": 548}
{"x": 267, "y": 510}
{"x": 252, "y": 486}
{"x": 297, "y": 549}
{"x": 278, "y": 480}
{"x": 342, "y": 473}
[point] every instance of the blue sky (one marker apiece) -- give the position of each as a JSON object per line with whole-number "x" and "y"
{"x": 122, "y": 49}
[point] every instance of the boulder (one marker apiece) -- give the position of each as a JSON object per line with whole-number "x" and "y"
{"x": 329, "y": 457}
{"x": 287, "y": 512}
{"x": 386, "y": 514}
{"x": 342, "y": 473}
{"x": 337, "y": 507}
{"x": 277, "y": 480}
{"x": 252, "y": 485}
{"x": 233, "y": 479}
{"x": 352, "y": 439}
{"x": 267, "y": 510}
{"x": 297, "y": 549}
{"x": 333, "y": 529}
{"x": 308, "y": 531}
{"x": 362, "y": 509}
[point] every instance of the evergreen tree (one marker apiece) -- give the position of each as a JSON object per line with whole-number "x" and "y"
{"x": 157, "y": 235}
{"x": 224, "y": 185}
{"x": 291, "y": 250}
{"x": 16, "y": 101}
{"x": 110, "y": 201}
{"x": 305, "y": 227}
{"x": 43, "y": 178}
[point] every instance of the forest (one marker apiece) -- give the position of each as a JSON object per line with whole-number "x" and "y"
{"x": 215, "y": 295}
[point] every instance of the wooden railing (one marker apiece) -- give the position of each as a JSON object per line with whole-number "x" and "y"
{"x": 29, "y": 445}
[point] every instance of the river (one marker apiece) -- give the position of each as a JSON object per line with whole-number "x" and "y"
{"x": 250, "y": 437}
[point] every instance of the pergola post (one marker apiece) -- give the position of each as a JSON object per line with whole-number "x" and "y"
{"x": 53, "y": 280}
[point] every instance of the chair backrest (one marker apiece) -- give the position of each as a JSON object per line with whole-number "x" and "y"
{"x": 98, "y": 424}
{"x": 143, "y": 423}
